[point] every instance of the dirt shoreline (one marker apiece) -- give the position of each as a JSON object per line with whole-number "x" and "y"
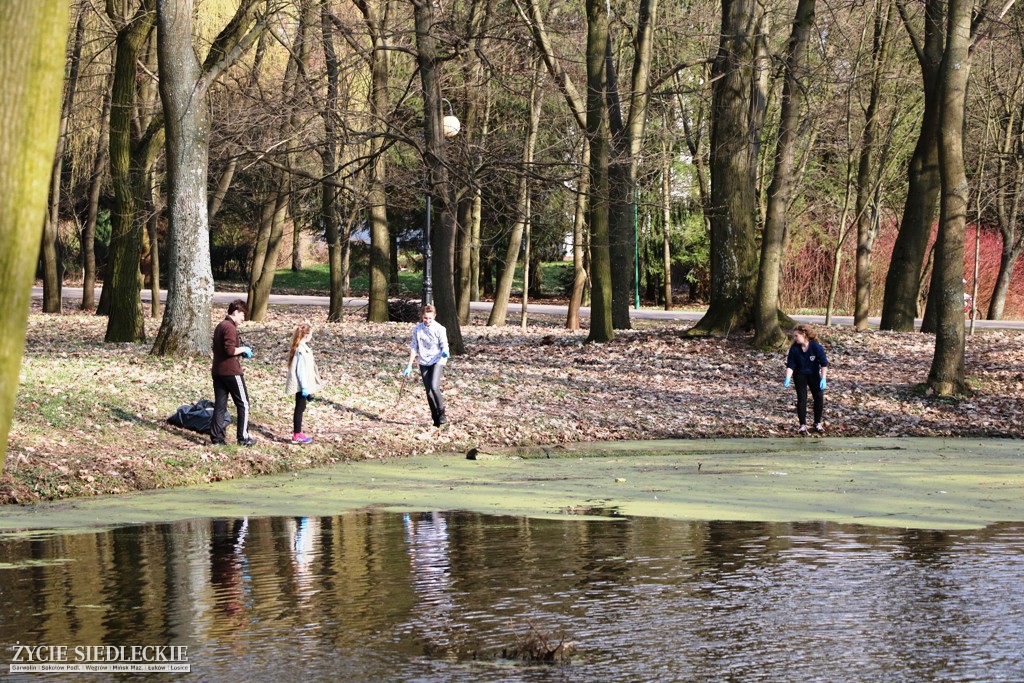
{"x": 90, "y": 418}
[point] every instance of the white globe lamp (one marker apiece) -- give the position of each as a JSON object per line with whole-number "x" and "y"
{"x": 451, "y": 126}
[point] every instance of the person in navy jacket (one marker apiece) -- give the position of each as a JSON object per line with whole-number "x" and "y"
{"x": 807, "y": 367}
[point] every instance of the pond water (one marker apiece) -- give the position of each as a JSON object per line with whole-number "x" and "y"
{"x": 376, "y": 596}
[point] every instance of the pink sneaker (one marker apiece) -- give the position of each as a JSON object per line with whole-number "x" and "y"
{"x": 301, "y": 438}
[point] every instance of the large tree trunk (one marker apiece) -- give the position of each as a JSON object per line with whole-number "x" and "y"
{"x": 902, "y": 280}
{"x": 768, "y": 332}
{"x": 380, "y": 239}
{"x": 185, "y": 329}
{"x": 946, "y": 376}
{"x": 627, "y": 144}
{"x": 733, "y": 163}
{"x": 522, "y": 223}
{"x": 53, "y": 274}
{"x": 184, "y": 84}
{"x": 32, "y": 41}
{"x": 598, "y": 132}
{"x": 440, "y": 187}
{"x": 125, "y": 322}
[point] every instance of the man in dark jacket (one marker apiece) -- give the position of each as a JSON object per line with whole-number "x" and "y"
{"x": 227, "y": 375}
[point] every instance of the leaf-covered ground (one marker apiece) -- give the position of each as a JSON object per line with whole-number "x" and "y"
{"x": 91, "y": 416}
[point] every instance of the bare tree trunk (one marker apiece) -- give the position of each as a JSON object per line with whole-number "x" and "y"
{"x": 579, "y": 279}
{"x": 475, "y": 131}
{"x": 844, "y": 225}
{"x": 153, "y": 228}
{"x": 125, "y": 322}
{"x": 298, "y": 238}
{"x": 586, "y": 116}
{"x": 53, "y": 272}
{"x": 88, "y": 238}
{"x": 217, "y": 198}
{"x": 946, "y": 376}
{"x": 733, "y": 162}
{"x": 262, "y": 281}
{"x": 598, "y": 132}
{"x": 268, "y": 208}
{"x": 1010, "y": 178}
{"x": 627, "y": 143}
{"x": 185, "y": 329}
{"x": 184, "y": 83}
{"x": 768, "y": 332}
{"x": 666, "y": 223}
{"x": 474, "y": 257}
{"x": 504, "y": 289}
{"x": 524, "y": 311}
{"x": 442, "y": 239}
{"x": 868, "y": 171}
{"x": 476, "y": 215}
{"x": 329, "y": 157}
{"x": 903, "y": 279}
{"x": 380, "y": 239}
{"x": 32, "y": 40}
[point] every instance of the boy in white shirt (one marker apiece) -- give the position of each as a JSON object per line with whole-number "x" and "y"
{"x": 430, "y": 347}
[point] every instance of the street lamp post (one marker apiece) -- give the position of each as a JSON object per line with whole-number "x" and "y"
{"x": 450, "y": 126}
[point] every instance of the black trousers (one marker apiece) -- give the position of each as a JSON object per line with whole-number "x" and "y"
{"x": 233, "y": 386}
{"x": 431, "y": 375}
{"x": 802, "y": 383}
{"x": 300, "y": 408}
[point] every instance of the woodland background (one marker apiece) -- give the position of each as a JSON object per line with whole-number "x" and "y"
{"x": 757, "y": 157}
{"x": 299, "y": 119}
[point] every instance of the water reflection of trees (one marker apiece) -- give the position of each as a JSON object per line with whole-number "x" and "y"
{"x": 460, "y": 583}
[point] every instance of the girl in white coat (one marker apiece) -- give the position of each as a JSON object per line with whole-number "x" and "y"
{"x": 303, "y": 377}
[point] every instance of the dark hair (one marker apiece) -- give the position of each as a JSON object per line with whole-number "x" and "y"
{"x": 428, "y": 308}
{"x": 238, "y": 305}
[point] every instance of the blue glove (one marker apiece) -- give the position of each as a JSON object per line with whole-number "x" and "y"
{"x": 246, "y": 352}
{"x": 305, "y": 394}
{"x": 786, "y": 382}
{"x": 823, "y": 384}
{"x": 408, "y": 370}
{"x": 444, "y": 354}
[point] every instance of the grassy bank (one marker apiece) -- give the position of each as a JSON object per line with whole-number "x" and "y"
{"x": 91, "y": 416}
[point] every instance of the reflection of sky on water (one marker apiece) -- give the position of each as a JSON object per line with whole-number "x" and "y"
{"x": 426, "y": 536}
{"x": 304, "y": 543}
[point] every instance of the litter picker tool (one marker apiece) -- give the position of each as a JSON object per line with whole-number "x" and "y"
{"x": 401, "y": 390}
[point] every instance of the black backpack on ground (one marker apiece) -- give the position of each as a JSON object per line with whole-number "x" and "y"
{"x": 197, "y": 417}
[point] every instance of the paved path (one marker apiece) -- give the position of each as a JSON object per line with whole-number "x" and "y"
{"x": 75, "y": 293}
